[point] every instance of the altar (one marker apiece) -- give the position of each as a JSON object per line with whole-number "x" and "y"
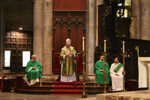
{"x": 144, "y": 72}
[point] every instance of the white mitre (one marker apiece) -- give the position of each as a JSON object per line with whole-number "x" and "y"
{"x": 68, "y": 41}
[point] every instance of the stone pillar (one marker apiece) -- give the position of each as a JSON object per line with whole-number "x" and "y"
{"x": 136, "y": 6}
{"x": 43, "y": 13}
{"x": 98, "y": 2}
{"x": 145, "y": 20}
{"x": 91, "y": 38}
{"x": 38, "y": 30}
{"x": 141, "y": 13}
{"x": 132, "y": 28}
{"x": 47, "y": 37}
{"x": 145, "y": 15}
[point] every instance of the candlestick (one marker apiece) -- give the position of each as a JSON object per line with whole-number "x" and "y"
{"x": 123, "y": 51}
{"x": 123, "y": 48}
{"x": 83, "y": 48}
{"x": 105, "y": 73}
{"x": 104, "y": 45}
{"x": 84, "y": 95}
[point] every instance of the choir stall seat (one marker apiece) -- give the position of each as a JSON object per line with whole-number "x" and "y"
{"x": 57, "y": 67}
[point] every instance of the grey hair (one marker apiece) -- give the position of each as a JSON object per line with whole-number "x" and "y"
{"x": 33, "y": 55}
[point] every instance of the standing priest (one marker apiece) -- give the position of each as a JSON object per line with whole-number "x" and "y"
{"x": 33, "y": 71}
{"x": 99, "y": 71}
{"x": 68, "y": 62}
{"x": 116, "y": 73}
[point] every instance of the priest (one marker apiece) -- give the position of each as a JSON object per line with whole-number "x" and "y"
{"x": 33, "y": 71}
{"x": 116, "y": 73}
{"x": 99, "y": 71}
{"x": 68, "y": 62}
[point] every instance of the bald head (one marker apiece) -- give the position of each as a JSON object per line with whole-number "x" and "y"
{"x": 68, "y": 42}
{"x": 34, "y": 57}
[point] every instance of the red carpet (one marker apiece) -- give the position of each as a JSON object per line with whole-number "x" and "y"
{"x": 68, "y": 83}
{"x": 67, "y": 87}
{"x": 61, "y": 88}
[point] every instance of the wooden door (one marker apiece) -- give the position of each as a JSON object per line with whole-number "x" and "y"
{"x": 69, "y": 21}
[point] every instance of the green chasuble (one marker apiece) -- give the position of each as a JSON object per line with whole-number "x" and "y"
{"x": 33, "y": 74}
{"x": 99, "y": 76}
{"x": 68, "y": 65}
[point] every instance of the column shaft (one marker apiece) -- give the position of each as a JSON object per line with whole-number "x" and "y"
{"x": 47, "y": 37}
{"x": 38, "y": 30}
{"x": 145, "y": 20}
{"x": 91, "y": 38}
{"x": 136, "y": 6}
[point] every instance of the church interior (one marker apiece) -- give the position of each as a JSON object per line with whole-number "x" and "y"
{"x": 42, "y": 30}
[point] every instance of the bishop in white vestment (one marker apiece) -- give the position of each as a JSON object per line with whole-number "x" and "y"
{"x": 116, "y": 73}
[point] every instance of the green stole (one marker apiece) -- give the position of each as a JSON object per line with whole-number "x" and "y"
{"x": 117, "y": 68}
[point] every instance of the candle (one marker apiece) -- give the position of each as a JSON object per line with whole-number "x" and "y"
{"x": 123, "y": 48}
{"x": 83, "y": 43}
{"x": 105, "y": 46}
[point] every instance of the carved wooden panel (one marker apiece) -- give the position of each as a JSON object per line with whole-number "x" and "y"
{"x": 17, "y": 42}
{"x": 69, "y": 5}
{"x": 68, "y": 25}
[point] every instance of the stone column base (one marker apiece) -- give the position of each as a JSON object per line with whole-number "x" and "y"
{"x": 50, "y": 77}
{"x": 91, "y": 77}
{"x": 88, "y": 78}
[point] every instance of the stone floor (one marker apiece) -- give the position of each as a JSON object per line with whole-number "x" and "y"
{"x": 129, "y": 95}
{"x": 16, "y": 96}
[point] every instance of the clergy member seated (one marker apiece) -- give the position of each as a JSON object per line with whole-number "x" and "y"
{"x": 33, "y": 71}
{"x": 68, "y": 63}
{"x": 99, "y": 71}
{"x": 116, "y": 71}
